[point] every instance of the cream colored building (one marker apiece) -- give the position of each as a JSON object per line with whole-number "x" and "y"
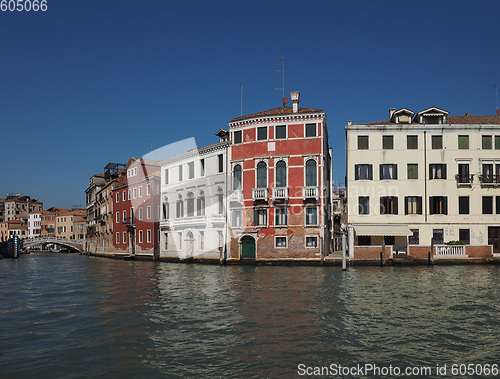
{"x": 422, "y": 177}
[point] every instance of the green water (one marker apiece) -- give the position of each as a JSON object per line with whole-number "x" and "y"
{"x": 65, "y": 315}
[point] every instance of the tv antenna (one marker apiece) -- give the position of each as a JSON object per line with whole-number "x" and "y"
{"x": 496, "y": 90}
{"x": 282, "y": 61}
{"x": 241, "y": 98}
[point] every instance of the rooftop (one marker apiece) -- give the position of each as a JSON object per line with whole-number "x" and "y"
{"x": 277, "y": 112}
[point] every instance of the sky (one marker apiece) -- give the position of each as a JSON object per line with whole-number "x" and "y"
{"x": 89, "y": 82}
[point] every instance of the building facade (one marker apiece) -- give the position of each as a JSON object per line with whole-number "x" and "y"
{"x": 279, "y": 203}
{"x": 193, "y": 188}
{"x": 34, "y": 224}
{"x": 17, "y": 207}
{"x": 136, "y": 209}
{"x": 424, "y": 183}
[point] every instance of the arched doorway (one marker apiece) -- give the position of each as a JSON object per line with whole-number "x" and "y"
{"x": 247, "y": 247}
{"x": 189, "y": 245}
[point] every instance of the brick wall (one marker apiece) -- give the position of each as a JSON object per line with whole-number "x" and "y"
{"x": 479, "y": 251}
{"x": 368, "y": 253}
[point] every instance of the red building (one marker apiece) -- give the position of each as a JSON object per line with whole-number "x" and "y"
{"x": 136, "y": 202}
{"x": 280, "y": 168}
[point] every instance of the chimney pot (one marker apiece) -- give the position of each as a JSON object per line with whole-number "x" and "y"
{"x": 295, "y": 101}
{"x": 391, "y": 112}
{"x": 349, "y": 122}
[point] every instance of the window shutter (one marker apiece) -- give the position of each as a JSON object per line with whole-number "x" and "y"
{"x": 395, "y": 199}
{"x": 382, "y": 205}
{"x": 370, "y": 172}
{"x": 381, "y": 172}
{"x": 419, "y": 205}
{"x": 255, "y": 216}
{"x": 430, "y": 172}
{"x": 356, "y": 172}
{"x": 444, "y": 171}
{"x": 445, "y": 205}
{"x": 406, "y": 205}
{"x": 431, "y": 205}
{"x": 395, "y": 168}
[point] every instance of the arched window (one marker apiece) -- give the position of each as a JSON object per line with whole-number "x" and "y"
{"x": 237, "y": 177}
{"x": 281, "y": 174}
{"x": 190, "y": 204}
{"x": 261, "y": 175}
{"x": 165, "y": 208}
{"x": 201, "y": 204}
{"x": 179, "y": 208}
{"x": 311, "y": 173}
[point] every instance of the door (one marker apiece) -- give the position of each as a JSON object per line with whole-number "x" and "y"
{"x": 248, "y": 247}
{"x": 494, "y": 238}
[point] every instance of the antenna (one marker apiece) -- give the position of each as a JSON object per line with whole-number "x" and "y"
{"x": 282, "y": 61}
{"x": 496, "y": 89}
{"x": 241, "y": 96}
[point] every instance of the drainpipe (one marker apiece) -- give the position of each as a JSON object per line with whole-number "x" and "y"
{"x": 425, "y": 175}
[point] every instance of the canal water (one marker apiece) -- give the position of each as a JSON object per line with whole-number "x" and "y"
{"x": 66, "y": 315}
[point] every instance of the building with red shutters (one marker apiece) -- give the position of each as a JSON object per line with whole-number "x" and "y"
{"x": 136, "y": 202}
{"x": 279, "y": 206}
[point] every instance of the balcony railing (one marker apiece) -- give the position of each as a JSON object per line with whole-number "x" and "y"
{"x": 129, "y": 221}
{"x": 280, "y": 193}
{"x": 310, "y": 192}
{"x": 488, "y": 180}
{"x": 464, "y": 180}
{"x": 259, "y": 194}
{"x": 453, "y": 251}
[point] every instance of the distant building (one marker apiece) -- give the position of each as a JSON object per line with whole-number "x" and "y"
{"x": 49, "y": 219}
{"x": 34, "y": 224}
{"x": 193, "y": 191}
{"x": 136, "y": 209}
{"x": 17, "y": 207}
{"x": 280, "y": 189}
{"x": 17, "y": 227}
{"x": 422, "y": 180}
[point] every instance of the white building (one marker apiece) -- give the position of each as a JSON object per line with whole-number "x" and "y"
{"x": 34, "y": 225}
{"x": 193, "y": 217}
{"x": 424, "y": 177}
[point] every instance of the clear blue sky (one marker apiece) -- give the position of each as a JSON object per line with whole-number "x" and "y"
{"x": 90, "y": 82}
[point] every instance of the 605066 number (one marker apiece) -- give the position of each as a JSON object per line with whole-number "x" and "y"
{"x": 23, "y": 5}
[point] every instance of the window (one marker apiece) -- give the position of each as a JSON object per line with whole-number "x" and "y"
{"x": 130, "y": 194}
{"x": 487, "y": 205}
{"x": 190, "y": 205}
{"x": 221, "y": 162}
{"x": 364, "y": 240}
{"x": 200, "y": 206}
{"x": 166, "y": 176}
{"x": 497, "y": 210}
{"x": 310, "y": 130}
{"x": 148, "y": 189}
{"x": 124, "y": 195}
{"x": 140, "y": 191}
{"x": 413, "y": 205}
{"x": 124, "y": 215}
{"x": 202, "y": 240}
{"x": 139, "y": 216}
{"x": 388, "y": 171}
{"x": 487, "y": 142}
{"x": 463, "y": 205}
{"x": 463, "y": 173}
{"x": 132, "y": 213}
{"x": 363, "y": 172}
{"x": 311, "y": 173}
{"x": 311, "y": 241}
{"x": 237, "y": 177}
{"x": 236, "y": 218}
{"x": 438, "y": 205}
{"x": 281, "y": 216}
{"x": 411, "y": 142}
{"x": 412, "y": 171}
{"x": 180, "y": 240}
{"x": 148, "y": 235}
{"x": 281, "y": 132}
{"x": 388, "y": 205}
{"x": 166, "y": 210}
{"x": 464, "y": 235}
{"x": 281, "y": 174}
{"x": 311, "y": 216}
{"x": 437, "y": 142}
{"x": 135, "y": 193}
{"x": 140, "y": 236}
{"x": 261, "y": 133}
{"x": 117, "y": 197}
{"x": 487, "y": 176}
{"x": 124, "y": 237}
{"x": 148, "y": 212}
{"x": 280, "y": 241}
{"x": 220, "y": 199}
{"x": 117, "y": 217}
{"x": 179, "y": 211}
{"x": 261, "y": 174}
{"x": 463, "y": 142}
{"x": 363, "y": 143}
{"x": 180, "y": 173}
{"x": 387, "y": 142}
{"x": 202, "y": 167}
{"x": 260, "y": 217}
{"x": 364, "y": 205}
{"x": 437, "y": 171}
{"x": 415, "y": 238}
{"x": 238, "y": 136}
{"x": 438, "y": 236}
{"x": 497, "y": 142}
{"x": 191, "y": 170}
{"x": 389, "y": 240}
{"x": 117, "y": 237}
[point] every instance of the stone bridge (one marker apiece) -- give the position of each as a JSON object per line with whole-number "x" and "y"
{"x": 71, "y": 244}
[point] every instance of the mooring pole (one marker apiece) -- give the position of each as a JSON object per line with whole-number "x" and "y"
{"x": 344, "y": 265}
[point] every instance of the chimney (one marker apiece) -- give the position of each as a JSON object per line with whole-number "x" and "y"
{"x": 466, "y": 114}
{"x": 295, "y": 101}
{"x": 391, "y": 112}
{"x": 349, "y": 122}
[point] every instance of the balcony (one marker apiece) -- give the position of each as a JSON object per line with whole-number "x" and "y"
{"x": 236, "y": 196}
{"x": 488, "y": 180}
{"x": 280, "y": 193}
{"x": 310, "y": 192}
{"x": 259, "y": 194}
{"x": 464, "y": 180}
{"x": 129, "y": 221}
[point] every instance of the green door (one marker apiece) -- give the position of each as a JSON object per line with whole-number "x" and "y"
{"x": 247, "y": 248}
